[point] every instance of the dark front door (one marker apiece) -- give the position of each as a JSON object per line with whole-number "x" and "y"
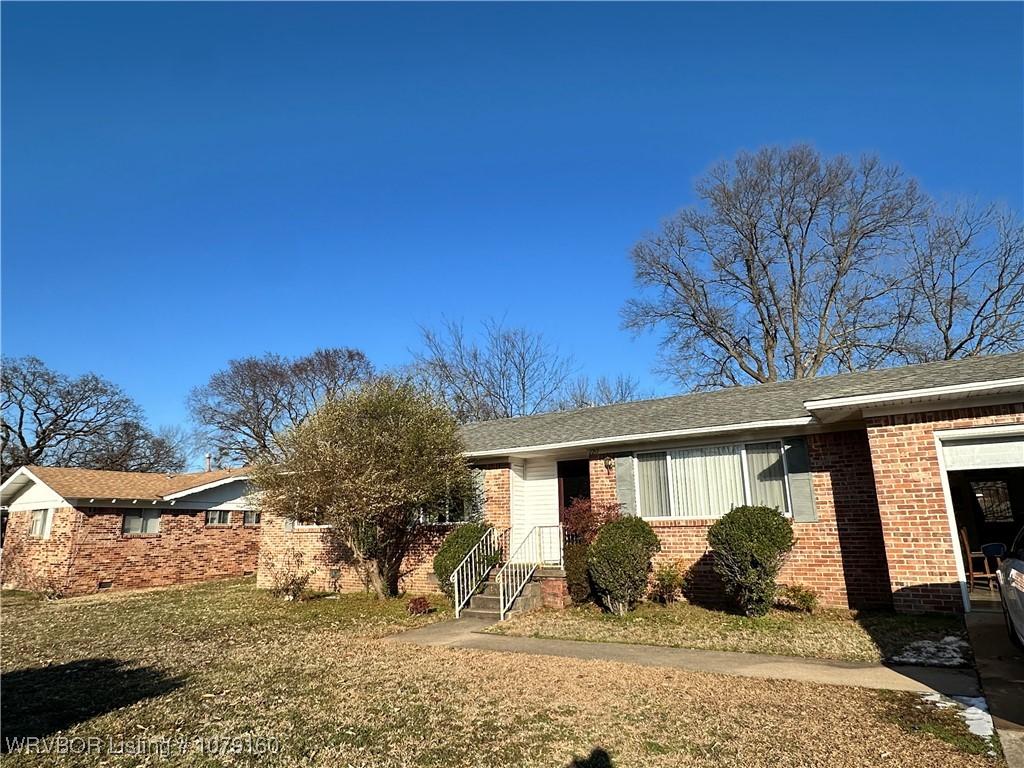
{"x": 573, "y": 481}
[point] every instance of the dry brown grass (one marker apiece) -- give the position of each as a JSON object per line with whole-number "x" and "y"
{"x": 826, "y": 635}
{"x": 319, "y": 679}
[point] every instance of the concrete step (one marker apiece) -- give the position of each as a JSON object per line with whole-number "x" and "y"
{"x": 485, "y": 602}
{"x": 473, "y": 613}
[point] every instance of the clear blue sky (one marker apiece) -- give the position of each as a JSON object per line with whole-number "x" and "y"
{"x": 186, "y": 183}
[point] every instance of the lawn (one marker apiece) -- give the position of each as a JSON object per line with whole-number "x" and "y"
{"x": 865, "y": 636}
{"x": 224, "y": 667}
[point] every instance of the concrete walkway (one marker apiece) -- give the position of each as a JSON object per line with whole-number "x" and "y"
{"x": 466, "y": 633}
{"x": 1001, "y": 669}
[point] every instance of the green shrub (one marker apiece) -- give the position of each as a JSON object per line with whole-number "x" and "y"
{"x": 669, "y": 579}
{"x": 799, "y": 598}
{"x": 574, "y": 561}
{"x": 749, "y": 546}
{"x": 454, "y": 550}
{"x": 619, "y": 561}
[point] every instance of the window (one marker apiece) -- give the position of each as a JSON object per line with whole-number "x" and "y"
{"x": 652, "y": 477}
{"x": 218, "y": 517}
{"x": 251, "y": 518}
{"x": 141, "y": 522}
{"x": 708, "y": 481}
{"x": 42, "y": 519}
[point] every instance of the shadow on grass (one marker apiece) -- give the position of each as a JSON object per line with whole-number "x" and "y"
{"x": 597, "y": 758}
{"x": 40, "y": 701}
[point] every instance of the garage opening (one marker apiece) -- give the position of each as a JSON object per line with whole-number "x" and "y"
{"x": 986, "y": 490}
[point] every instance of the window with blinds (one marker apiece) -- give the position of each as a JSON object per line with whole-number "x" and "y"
{"x": 708, "y": 481}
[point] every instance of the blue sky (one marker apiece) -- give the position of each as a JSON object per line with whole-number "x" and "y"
{"x": 187, "y": 183}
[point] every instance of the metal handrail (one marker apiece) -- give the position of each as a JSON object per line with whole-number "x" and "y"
{"x": 475, "y": 566}
{"x": 524, "y": 560}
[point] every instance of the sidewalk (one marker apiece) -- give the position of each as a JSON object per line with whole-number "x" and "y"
{"x": 1001, "y": 669}
{"x": 466, "y": 633}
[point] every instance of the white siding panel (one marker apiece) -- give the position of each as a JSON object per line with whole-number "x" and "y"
{"x": 984, "y": 453}
{"x": 534, "y": 496}
{"x": 37, "y": 496}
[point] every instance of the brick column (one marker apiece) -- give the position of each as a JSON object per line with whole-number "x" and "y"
{"x": 919, "y": 545}
{"x": 602, "y": 481}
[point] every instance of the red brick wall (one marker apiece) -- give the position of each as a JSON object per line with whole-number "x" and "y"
{"x": 87, "y": 547}
{"x": 841, "y": 555}
{"x": 39, "y": 564}
{"x": 497, "y": 495}
{"x": 330, "y": 573}
{"x": 915, "y": 524}
{"x": 602, "y": 480}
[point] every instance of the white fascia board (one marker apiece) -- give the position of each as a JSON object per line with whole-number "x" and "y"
{"x": 880, "y": 398}
{"x": 20, "y": 479}
{"x": 206, "y": 487}
{"x": 800, "y": 421}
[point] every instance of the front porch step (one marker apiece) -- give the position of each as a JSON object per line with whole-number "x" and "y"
{"x": 486, "y": 604}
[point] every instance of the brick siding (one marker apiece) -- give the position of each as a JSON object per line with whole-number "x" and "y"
{"x": 86, "y": 547}
{"x": 602, "y": 480}
{"x": 841, "y": 555}
{"x": 918, "y": 541}
{"x": 312, "y": 549}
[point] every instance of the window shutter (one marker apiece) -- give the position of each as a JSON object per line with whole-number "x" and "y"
{"x": 625, "y": 488}
{"x": 801, "y": 489}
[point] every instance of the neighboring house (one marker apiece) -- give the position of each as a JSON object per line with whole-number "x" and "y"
{"x": 882, "y": 472}
{"x": 77, "y": 531}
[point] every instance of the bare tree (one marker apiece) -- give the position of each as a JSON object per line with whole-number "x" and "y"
{"x": 582, "y": 393}
{"x": 784, "y": 270}
{"x": 52, "y": 419}
{"x": 966, "y": 274}
{"x": 507, "y": 372}
{"x": 243, "y": 408}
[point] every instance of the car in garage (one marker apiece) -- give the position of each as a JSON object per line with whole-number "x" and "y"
{"x": 1011, "y": 589}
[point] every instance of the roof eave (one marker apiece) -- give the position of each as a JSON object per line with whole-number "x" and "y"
{"x": 204, "y": 487}
{"x": 746, "y": 426}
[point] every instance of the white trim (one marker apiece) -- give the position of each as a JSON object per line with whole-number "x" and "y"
{"x": 23, "y": 472}
{"x": 800, "y": 421}
{"x": 951, "y": 521}
{"x": 204, "y": 487}
{"x": 907, "y": 394}
{"x": 972, "y": 433}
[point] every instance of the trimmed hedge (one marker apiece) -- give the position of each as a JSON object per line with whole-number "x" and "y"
{"x": 454, "y": 550}
{"x": 574, "y": 560}
{"x": 619, "y": 561}
{"x": 749, "y": 546}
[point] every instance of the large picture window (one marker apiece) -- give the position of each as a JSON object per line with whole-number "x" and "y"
{"x": 708, "y": 481}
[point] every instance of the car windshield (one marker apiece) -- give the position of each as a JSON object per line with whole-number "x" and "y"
{"x": 1017, "y": 550}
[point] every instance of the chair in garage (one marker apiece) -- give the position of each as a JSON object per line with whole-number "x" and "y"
{"x": 972, "y": 560}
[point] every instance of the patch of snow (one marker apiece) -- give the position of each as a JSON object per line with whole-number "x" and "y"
{"x": 950, "y": 651}
{"x": 973, "y": 710}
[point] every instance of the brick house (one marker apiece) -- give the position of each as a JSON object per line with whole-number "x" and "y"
{"x": 883, "y": 473}
{"x": 78, "y": 531}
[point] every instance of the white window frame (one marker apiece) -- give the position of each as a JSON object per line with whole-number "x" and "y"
{"x": 667, "y": 452}
{"x": 142, "y": 513}
{"x": 218, "y": 513}
{"x": 256, "y": 515}
{"x": 47, "y": 518}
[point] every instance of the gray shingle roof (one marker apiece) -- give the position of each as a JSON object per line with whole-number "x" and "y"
{"x": 761, "y": 402}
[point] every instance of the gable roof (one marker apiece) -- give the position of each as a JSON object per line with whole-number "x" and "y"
{"x": 751, "y": 406}
{"x": 72, "y": 483}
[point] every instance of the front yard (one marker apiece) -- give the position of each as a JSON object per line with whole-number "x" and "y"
{"x": 192, "y": 673}
{"x": 842, "y": 635}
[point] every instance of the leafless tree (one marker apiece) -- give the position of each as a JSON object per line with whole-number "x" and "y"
{"x": 52, "y": 419}
{"x": 507, "y": 372}
{"x": 582, "y": 393}
{"x": 244, "y": 408}
{"x": 966, "y": 274}
{"x": 784, "y": 270}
